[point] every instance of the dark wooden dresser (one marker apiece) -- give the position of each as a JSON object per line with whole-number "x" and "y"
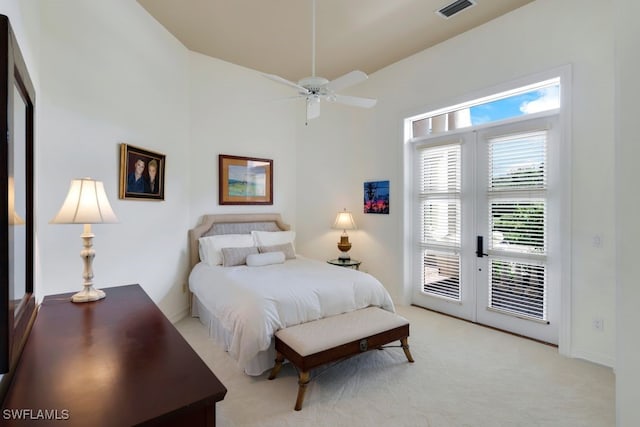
{"x": 114, "y": 362}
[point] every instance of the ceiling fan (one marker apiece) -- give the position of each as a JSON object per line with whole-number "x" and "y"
{"x": 315, "y": 88}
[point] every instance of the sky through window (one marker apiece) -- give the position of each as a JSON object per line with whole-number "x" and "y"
{"x": 531, "y": 102}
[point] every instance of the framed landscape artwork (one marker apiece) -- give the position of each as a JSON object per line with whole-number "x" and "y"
{"x": 141, "y": 173}
{"x": 376, "y": 197}
{"x": 245, "y": 180}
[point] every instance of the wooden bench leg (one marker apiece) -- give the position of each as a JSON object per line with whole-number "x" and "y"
{"x": 303, "y": 381}
{"x": 405, "y": 346}
{"x": 276, "y": 368}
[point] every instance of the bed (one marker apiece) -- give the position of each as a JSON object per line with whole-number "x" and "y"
{"x": 243, "y": 303}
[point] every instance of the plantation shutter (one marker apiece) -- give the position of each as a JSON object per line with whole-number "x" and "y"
{"x": 440, "y": 188}
{"x": 517, "y": 222}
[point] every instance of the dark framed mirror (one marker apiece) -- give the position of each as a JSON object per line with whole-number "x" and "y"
{"x": 17, "y": 103}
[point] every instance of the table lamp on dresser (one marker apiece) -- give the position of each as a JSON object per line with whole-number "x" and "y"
{"x": 87, "y": 204}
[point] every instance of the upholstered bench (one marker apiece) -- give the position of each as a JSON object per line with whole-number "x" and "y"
{"x": 310, "y": 345}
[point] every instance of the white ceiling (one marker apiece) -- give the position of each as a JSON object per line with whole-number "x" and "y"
{"x": 274, "y": 36}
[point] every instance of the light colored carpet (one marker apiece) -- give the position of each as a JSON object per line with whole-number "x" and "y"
{"x": 463, "y": 375}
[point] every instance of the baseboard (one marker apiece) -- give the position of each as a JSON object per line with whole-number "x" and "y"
{"x": 600, "y": 359}
{"x": 175, "y": 318}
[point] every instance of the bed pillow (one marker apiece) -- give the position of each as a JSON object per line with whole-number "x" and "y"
{"x": 270, "y": 238}
{"x": 237, "y": 256}
{"x": 286, "y": 249}
{"x": 211, "y": 246}
{"x": 267, "y": 258}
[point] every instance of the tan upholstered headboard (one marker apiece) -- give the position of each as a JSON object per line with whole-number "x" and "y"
{"x": 208, "y": 222}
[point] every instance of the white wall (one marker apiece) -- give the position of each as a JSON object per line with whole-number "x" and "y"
{"x": 235, "y": 111}
{"x": 111, "y": 74}
{"x": 354, "y": 146}
{"x": 627, "y": 208}
{"x": 336, "y": 155}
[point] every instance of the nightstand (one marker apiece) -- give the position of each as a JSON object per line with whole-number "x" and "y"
{"x": 349, "y": 263}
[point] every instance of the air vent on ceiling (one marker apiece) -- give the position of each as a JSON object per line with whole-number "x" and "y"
{"x": 457, "y": 6}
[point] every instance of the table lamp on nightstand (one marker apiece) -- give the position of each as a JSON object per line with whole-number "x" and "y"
{"x": 344, "y": 222}
{"x": 87, "y": 204}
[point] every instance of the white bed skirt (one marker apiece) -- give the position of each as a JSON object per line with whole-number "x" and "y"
{"x": 222, "y": 337}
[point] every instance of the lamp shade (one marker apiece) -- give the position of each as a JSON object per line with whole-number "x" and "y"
{"x": 344, "y": 221}
{"x": 86, "y": 203}
{"x": 14, "y": 218}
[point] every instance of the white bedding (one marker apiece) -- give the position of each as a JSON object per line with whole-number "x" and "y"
{"x": 252, "y": 303}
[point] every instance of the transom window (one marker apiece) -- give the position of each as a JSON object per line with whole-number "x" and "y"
{"x": 522, "y": 101}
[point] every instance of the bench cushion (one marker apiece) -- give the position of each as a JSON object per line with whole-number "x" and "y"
{"x": 333, "y": 331}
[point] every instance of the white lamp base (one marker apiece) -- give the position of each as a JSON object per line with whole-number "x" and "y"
{"x": 88, "y": 294}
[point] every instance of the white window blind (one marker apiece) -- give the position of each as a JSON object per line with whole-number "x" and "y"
{"x": 518, "y": 225}
{"x": 518, "y": 162}
{"x": 440, "y": 187}
{"x": 518, "y": 288}
{"x": 517, "y": 221}
{"x": 441, "y": 274}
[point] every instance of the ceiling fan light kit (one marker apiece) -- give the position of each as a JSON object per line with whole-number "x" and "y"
{"x": 315, "y": 88}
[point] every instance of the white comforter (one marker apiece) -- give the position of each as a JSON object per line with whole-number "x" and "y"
{"x": 252, "y": 303}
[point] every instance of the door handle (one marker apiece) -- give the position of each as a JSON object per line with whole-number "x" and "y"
{"x": 480, "y": 246}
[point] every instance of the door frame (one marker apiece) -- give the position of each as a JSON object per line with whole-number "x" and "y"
{"x": 564, "y": 118}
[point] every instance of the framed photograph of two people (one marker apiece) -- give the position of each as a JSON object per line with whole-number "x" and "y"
{"x": 141, "y": 173}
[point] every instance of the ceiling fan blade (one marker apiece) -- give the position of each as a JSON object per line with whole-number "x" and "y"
{"x": 313, "y": 107}
{"x": 355, "y": 101}
{"x": 346, "y": 80}
{"x": 278, "y": 79}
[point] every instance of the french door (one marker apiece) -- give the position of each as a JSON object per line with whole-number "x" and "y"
{"x": 487, "y": 217}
